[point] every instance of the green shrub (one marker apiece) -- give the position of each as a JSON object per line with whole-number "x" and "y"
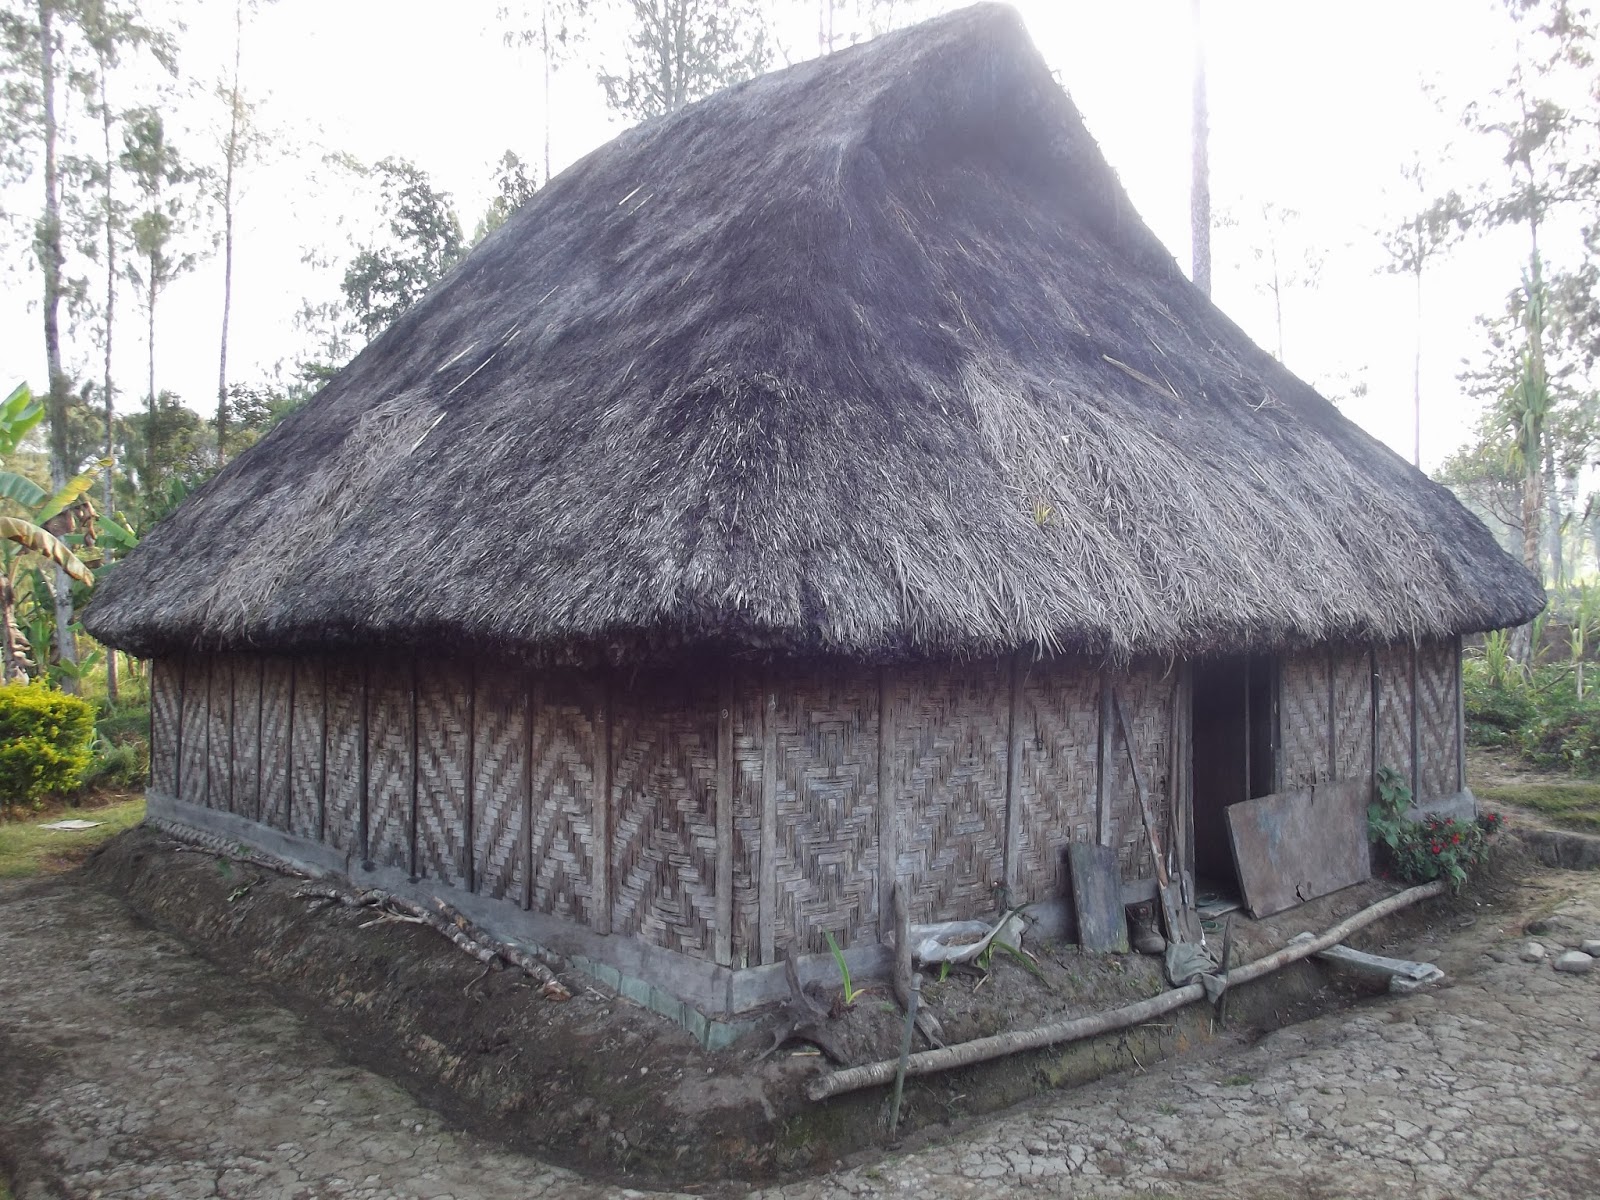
{"x": 1499, "y": 705}
{"x": 119, "y": 766}
{"x": 45, "y": 737}
{"x": 1433, "y": 848}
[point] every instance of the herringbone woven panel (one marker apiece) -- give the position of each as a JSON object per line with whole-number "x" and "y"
{"x": 166, "y": 688}
{"x": 1436, "y": 719}
{"x": 306, "y": 749}
{"x": 192, "y": 757}
{"x": 1394, "y": 709}
{"x": 343, "y": 815}
{"x": 748, "y": 753}
{"x": 1059, "y": 734}
{"x": 951, "y": 728}
{"x": 826, "y": 793}
{"x": 1303, "y": 719}
{"x": 389, "y": 762}
{"x": 499, "y": 768}
{"x": 1352, "y": 711}
{"x": 567, "y": 746}
{"x": 219, "y": 746}
{"x": 245, "y": 759}
{"x": 663, "y": 844}
{"x": 1146, "y": 693}
{"x": 275, "y": 688}
{"x": 444, "y": 717}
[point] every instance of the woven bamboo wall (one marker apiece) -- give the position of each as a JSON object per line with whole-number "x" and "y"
{"x": 1058, "y": 736}
{"x": 193, "y": 725}
{"x": 601, "y": 800}
{"x": 1436, "y": 720}
{"x": 1394, "y": 708}
{"x": 951, "y": 735}
{"x": 1352, "y": 712}
{"x": 277, "y": 684}
{"x": 825, "y": 732}
{"x": 1304, "y": 696}
{"x": 663, "y": 820}
{"x": 166, "y": 702}
{"x": 389, "y": 763}
{"x": 308, "y": 721}
{"x": 1146, "y": 691}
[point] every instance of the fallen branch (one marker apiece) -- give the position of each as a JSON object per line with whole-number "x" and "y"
{"x": 449, "y": 922}
{"x": 983, "y": 1049}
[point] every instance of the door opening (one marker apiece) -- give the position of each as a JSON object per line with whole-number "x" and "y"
{"x": 1235, "y": 748}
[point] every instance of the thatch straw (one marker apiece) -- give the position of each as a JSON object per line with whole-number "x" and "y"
{"x": 867, "y": 356}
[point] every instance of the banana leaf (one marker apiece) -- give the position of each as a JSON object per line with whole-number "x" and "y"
{"x": 45, "y": 544}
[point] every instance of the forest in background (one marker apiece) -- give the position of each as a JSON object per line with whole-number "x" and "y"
{"x": 110, "y": 202}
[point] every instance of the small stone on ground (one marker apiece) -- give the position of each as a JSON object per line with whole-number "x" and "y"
{"x": 1533, "y": 952}
{"x": 1575, "y": 962}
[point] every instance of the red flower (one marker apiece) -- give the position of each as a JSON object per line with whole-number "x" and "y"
{"x": 1455, "y": 839}
{"x": 1436, "y": 847}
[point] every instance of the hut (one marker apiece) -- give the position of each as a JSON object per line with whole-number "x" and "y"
{"x": 771, "y": 511}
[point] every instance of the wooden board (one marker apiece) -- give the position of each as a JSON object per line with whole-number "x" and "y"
{"x": 1097, "y": 898}
{"x": 1295, "y": 846}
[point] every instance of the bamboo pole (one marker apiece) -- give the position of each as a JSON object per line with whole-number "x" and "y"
{"x": 983, "y": 1049}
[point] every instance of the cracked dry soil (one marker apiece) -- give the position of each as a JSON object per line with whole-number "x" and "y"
{"x": 130, "y": 1067}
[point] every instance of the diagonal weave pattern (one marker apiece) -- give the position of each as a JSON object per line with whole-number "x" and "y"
{"x": 1146, "y": 694}
{"x": 245, "y": 754}
{"x": 342, "y": 819}
{"x": 826, "y": 810}
{"x": 389, "y": 762}
{"x": 500, "y": 765}
{"x": 663, "y": 823}
{"x": 1352, "y": 712}
{"x": 951, "y": 731}
{"x": 219, "y": 726}
{"x": 1059, "y": 737}
{"x": 444, "y": 712}
{"x": 166, "y": 698}
{"x": 306, "y": 749}
{"x": 1303, "y": 719}
{"x": 566, "y": 747}
{"x": 1436, "y": 719}
{"x": 1394, "y": 709}
{"x": 748, "y": 756}
{"x": 192, "y": 731}
{"x": 275, "y": 681}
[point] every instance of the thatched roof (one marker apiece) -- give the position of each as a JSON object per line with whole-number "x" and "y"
{"x": 868, "y": 356}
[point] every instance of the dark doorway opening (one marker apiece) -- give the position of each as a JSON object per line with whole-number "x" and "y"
{"x": 1235, "y": 747}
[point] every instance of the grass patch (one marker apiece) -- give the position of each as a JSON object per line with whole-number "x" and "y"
{"x": 27, "y": 850}
{"x": 1570, "y": 803}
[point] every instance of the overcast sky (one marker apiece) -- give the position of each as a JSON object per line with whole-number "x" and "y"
{"x": 1313, "y": 108}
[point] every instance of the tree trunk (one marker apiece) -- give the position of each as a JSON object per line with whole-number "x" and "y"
{"x": 51, "y": 259}
{"x": 150, "y": 394}
{"x": 1552, "y": 503}
{"x": 1416, "y": 368}
{"x": 232, "y": 158}
{"x": 1200, "y": 179}
{"x": 111, "y": 308}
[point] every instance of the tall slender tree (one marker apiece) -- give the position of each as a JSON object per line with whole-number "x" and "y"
{"x": 1200, "y": 161}
{"x": 682, "y": 50}
{"x": 553, "y": 28}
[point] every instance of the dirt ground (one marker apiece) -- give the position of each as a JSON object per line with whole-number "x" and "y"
{"x": 135, "y": 1068}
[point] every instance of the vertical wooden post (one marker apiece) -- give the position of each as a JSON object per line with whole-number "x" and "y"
{"x": 600, "y": 818}
{"x": 363, "y": 779}
{"x": 1416, "y": 745}
{"x": 288, "y": 750}
{"x": 888, "y": 806}
{"x": 723, "y": 941}
{"x": 1013, "y": 866}
{"x": 768, "y": 898}
{"x": 322, "y": 761}
{"x": 530, "y": 712}
{"x": 233, "y": 722}
{"x": 206, "y": 766}
{"x": 415, "y": 781}
{"x": 468, "y": 867}
{"x": 1102, "y": 763}
{"x": 1275, "y": 678}
{"x": 1186, "y": 765}
{"x": 1377, "y": 702}
{"x": 183, "y": 692}
{"x": 1333, "y": 724}
{"x": 261, "y": 754}
{"x": 1461, "y": 722}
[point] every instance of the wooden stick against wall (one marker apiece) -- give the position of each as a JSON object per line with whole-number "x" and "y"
{"x": 600, "y": 814}
{"x": 1461, "y": 722}
{"x": 1102, "y": 764}
{"x": 767, "y": 900}
{"x": 1013, "y": 866}
{"x": 723, "y": 940}
{"x": 888, "y": 805}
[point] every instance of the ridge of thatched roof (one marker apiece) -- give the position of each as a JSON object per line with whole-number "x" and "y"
{"x": 868, "y": 356}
